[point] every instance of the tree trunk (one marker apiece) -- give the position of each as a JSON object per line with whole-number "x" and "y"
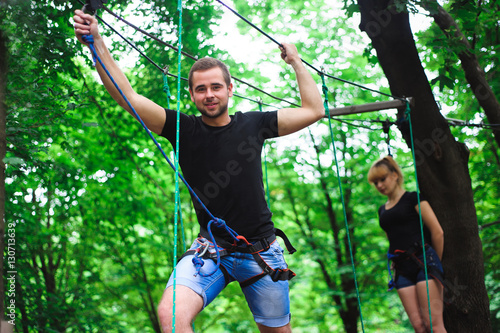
{"x": 441, "y": 166}
{"x": 3, "y": 149}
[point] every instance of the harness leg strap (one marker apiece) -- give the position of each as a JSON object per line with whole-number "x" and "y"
{"x": 275, "y": 274}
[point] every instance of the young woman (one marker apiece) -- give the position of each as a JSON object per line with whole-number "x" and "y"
{"x": 399, "y": 218}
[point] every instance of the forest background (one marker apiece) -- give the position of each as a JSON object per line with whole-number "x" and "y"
{"x": 89, "y": 201}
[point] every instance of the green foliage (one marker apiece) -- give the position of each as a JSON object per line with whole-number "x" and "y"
{"x": 92, "y": 213}
{"x": 92, "y": 199}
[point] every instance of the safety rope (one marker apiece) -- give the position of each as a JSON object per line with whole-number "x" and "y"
{"x": 408, "y": 117}
{"x": 176, "y": 160}
{"x": 166, "y": 89}
{"x": 327, "y": 111}
{"x": 218, "y": 222}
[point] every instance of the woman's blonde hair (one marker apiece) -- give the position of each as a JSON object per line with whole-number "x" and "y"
{"x": 378, "y": 169}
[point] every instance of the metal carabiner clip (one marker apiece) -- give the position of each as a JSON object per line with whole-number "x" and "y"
{"x": 206, "y": 245}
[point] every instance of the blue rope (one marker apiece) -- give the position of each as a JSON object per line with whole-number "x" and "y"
{"x": 391, "y": 283}
{"x": 89, "y": 39}
{"x": 198, "y": 262}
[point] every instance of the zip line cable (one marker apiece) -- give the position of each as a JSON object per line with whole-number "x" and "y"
{"x": 451, "y": 122}
{"x": 305, "y": 62}
{"x": 175, "y": 49}
{"x": 195, "y": 57}
{"x": 148, "y": 34}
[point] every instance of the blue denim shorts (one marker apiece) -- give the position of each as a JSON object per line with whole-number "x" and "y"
{"x": 269, "y": 301}
{"x": 411, "y": 273}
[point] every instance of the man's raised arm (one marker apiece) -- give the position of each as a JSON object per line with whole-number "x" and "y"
{"x": 291, "y": 120}
{"x": 151, "y": 113}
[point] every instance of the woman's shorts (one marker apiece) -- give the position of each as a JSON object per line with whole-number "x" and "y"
{"x": 409, "y": 273}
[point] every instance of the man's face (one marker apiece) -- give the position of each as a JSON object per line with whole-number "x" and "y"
{"x": 210, "y": 93}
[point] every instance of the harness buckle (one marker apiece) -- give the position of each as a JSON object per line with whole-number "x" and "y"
{"x": 269, "y": 270}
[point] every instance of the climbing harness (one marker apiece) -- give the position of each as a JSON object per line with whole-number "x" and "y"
{"x": 413, "y": 253}
{"x": 203, "y": 253}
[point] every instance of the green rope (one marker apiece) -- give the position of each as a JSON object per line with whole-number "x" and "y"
{"x": 166, "y": 89}
{"x": 327, "y": 112}
{"x": 265, "y": 166}
{"x": 407, "y": 114}
{"x": 177, "y": 193}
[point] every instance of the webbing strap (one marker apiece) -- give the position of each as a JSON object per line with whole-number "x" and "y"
{"x": 412, "y": 254}
{"x": 275, "y": 274}
{"x": 280, "y": 233}
{"x": 254, "y": 249}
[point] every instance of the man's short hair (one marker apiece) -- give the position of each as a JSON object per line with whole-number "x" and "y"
{"x": 208, "y": 63}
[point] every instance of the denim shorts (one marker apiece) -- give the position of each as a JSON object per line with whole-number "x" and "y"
{"x": 409, "y": 273}
{"x": 269, "y": 301}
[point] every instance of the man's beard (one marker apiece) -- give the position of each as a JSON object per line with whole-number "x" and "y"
{"x": 221, "y": 110}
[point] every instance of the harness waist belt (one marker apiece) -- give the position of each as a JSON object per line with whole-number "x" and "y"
{"x": 257, "y": 247}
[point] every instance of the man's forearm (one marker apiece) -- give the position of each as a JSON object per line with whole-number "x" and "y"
{"x": 118, "y": 76}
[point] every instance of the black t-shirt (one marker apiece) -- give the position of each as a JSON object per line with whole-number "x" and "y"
{"x": 402, "y": 223}
{"x": 223, "y": 166}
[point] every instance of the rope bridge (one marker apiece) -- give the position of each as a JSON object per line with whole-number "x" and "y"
{"x": 92, "y": 5}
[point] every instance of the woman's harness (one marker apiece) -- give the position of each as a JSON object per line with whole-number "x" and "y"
{"x": 412, "y": 253}
{"x": 252, "y": 248}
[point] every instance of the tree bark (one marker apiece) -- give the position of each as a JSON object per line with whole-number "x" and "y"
{"x": 441, "y": 164}
{"x": 474, "y": 73}
{"x": 3, "y": 150}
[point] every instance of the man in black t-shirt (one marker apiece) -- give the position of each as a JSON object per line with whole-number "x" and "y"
{"x": 219, "y": 155}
